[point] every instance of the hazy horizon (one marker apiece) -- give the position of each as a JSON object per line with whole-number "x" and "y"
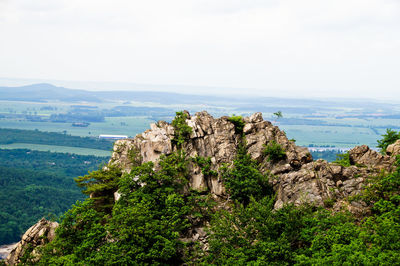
{"x": 308, "y": 49}
{"x": 182, "y": 89}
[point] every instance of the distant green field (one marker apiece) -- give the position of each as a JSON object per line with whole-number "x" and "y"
{"x": 53, "y": 148}
{"x": 317, "y": 126}
{"x": 331, "y": 135}
{"x": 113, "y": 125}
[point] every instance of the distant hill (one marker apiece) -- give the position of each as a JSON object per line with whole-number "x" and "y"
{"x": 43, "y": 92}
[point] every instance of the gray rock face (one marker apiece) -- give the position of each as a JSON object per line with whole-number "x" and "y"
{"x": 364, "y": 156}
{"x": 320, "y": 182}
{"x": 38, "y": 235}
{"x": 297, "y": 179}
{"x": 214, "y": 138}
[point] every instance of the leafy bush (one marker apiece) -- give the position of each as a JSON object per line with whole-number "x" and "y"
{"x": 329, "y": 202}
{"x": 244, "y": 180}
{"x": 205, "y": 165}
{"x": 101, "y": 185}
{"x": 343, "y": 159}
{"x": 389, "y": 138}
{"x": 182, "y": 130}
{"x": 238, "y": 122}
{"x": 274, "y": 151}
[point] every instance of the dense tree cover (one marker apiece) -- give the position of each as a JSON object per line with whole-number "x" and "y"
{"x": 52, "y": 163}
{"x": 34, "y": 184}
{"x": 256, "y": 234}
{"x": 27, "y": 195}
{"x": 143, "y": 227}
{"x": 8, "y": 136}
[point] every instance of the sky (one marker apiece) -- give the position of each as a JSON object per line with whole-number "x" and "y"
{"x": 308, "y": 48}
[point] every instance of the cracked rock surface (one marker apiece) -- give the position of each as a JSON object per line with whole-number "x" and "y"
{"x": 297, "y": 179}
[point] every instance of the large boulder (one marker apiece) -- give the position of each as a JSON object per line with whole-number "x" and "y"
{"x": 38, "y": 235}
{"x": 319, "y": 183}
{"x": 329, "y": 184}
{"x": 393, "y": 149}
{"x": 363, "y": 156}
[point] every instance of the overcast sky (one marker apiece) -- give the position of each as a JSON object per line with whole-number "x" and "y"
{"x": 276, "y": 48}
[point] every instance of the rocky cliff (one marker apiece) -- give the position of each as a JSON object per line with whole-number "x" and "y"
{"x": 296, "y": 178}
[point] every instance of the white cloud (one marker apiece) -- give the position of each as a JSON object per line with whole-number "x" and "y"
{"x": 312, "y": 47}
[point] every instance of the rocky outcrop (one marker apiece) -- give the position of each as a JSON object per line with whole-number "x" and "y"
{"x": 215, "y": 138}
{"x": 320, "y": 183}
{"x": 363, "y": 156}
{"x": 329, "y": 184}
{"x": 297, "y": 179}
{"x": 38, "y": 235}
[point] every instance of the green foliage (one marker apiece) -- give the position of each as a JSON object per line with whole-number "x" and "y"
{"x": 182, "y": 130}
{"x": 134, "y": 156}
{"x": 343, "y": 159}
{"x": 238, "y": 122}
{"x": 274, "y": 151}
{"x": 385, "y": 186}
{"x": 257, "y": 234}
{"x": 278, "y": 114}
{"x": 329, "y": 202}
{"x": 389, "y": 138}
{"x": 80, "y": 234}
{"x": 205, "y": 165}
{"x": 101, "y": 185}
{"x": 244, "y": 180}
{"x": 145, "y": 223}
{"x": 37, "y": 184}
{"x": 51, "y": 163}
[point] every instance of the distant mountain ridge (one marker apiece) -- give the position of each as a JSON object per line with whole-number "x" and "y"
{"x": 43, "y": 92}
